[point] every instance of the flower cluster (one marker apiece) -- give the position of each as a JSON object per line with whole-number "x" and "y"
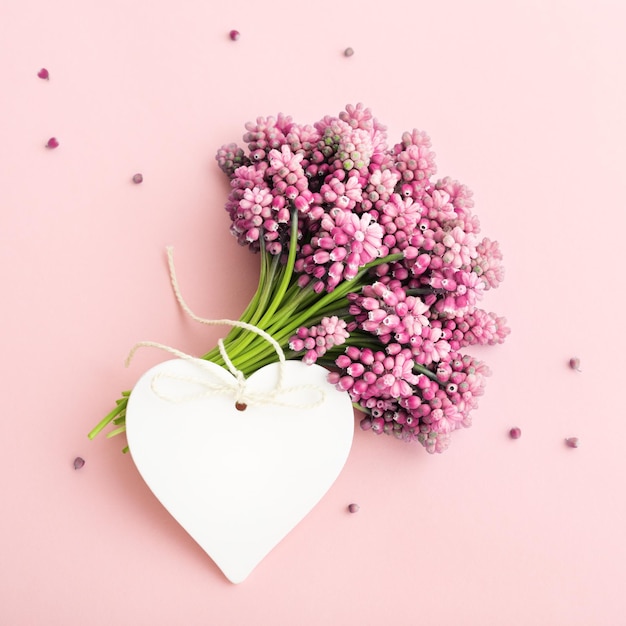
{"x": 403, "y": 249}
{"x": 370, "y": 266}
{"x": 407, "y": 405}
{"x": 317, "y": 340}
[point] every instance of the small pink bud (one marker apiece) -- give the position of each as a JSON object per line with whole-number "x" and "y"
{"x": 366, "y": 423}
{"x": 78, "y": 462}
{"x": 378, "y": 425}
{"x": 137, "y": 179}
{"x": 572, "y": 442}
{"x": 348, "y": 52}
{"x": 52, "y": 143}
{"x": 43, "y": 74}
{"x": 234, "y": 35}
{"x": 515, "y": 433}
{"x": 574, "y": 363}
{"x": 354, "y": 508}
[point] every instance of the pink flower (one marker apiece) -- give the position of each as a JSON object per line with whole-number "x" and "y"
{"x": 230, "y": 157}
{"x": 379, "y": 188}
{"x": 317, "y": 340}
{"x": 377, "y": 375}
{"x": 460, "y": 248}
{"x": 302, "y": 139}
{"x": 358, "y": 117}
{"x": 460, "y": 290}
{"x": 266, "y": 134}
{"x": 355, "y": 149}
{"x": 389, "y": 314}
{"x": 399, "y": 218}
{"x": 414, "y": 159}
{"x": 433, "y": 441}
{"x": 462, "y": 201}
{"x": 488, "y": 263}
{"x": 351, "y": 242}
{"x": 431, "y": 347}
{"x": 436, "y": 206}
{"x": 341, "y": 191}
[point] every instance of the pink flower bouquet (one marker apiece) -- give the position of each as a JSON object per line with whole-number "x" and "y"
{"x": 369, "y": 265}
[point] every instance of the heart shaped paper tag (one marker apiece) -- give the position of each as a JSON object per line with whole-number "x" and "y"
{"x": 238, "y": 481}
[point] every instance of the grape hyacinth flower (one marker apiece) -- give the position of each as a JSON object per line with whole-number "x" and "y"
{"x": 345, "y": 242}
{"x": 317, "y": 340}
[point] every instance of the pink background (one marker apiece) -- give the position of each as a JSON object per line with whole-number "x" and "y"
{"x": 524, "y": 102}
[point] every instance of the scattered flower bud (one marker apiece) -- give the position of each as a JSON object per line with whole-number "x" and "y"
{"x": 137, "y": 179}
{"x": 515, "y": 433}
{"x": 52, "y": 143}
{"x": 574, "y": 363}
{"x": 43, "y": 74}
{"x": 348, "y": 52}
{"x": 78, "y": 462}
{"x": 354, "y": 508}
{"x": 572, "y": 442}
{"x": 241, "y": 406}
{"x": 234, "y": 35}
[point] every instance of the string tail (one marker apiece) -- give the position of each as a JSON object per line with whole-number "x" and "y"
{"x": 160, "y": 346}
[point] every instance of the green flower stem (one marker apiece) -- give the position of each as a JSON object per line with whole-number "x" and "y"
{"x": 295, "y": 292}
{"x": 117, "y": 431}
{"x": 390, "y": 258}
{"x": 270, "y": 358}
{"x": 420, "y": 291}
{"x": 326, "y": 362}
{"x": 109, "y": 418}
{"x": 267, "y": 289}
{"x": 365, "y": 341}
{"x": 277, "y": 291}
{"x": 295, "y": 302}
{"x": 336, "y": 309}
{"x": 287, "y": 273}
{"x": 254, "y": 310}
{"x": 329, "y": 299}
{"x": 335, "y": 296}
{"x": 296, "y": 298}
{"x": 284, "y": 327}
{"x": 253, "y": 304}
{"x": 420, "y": 369}
{"x": 250, "y": 309}
{"x": 239, "y": 338}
